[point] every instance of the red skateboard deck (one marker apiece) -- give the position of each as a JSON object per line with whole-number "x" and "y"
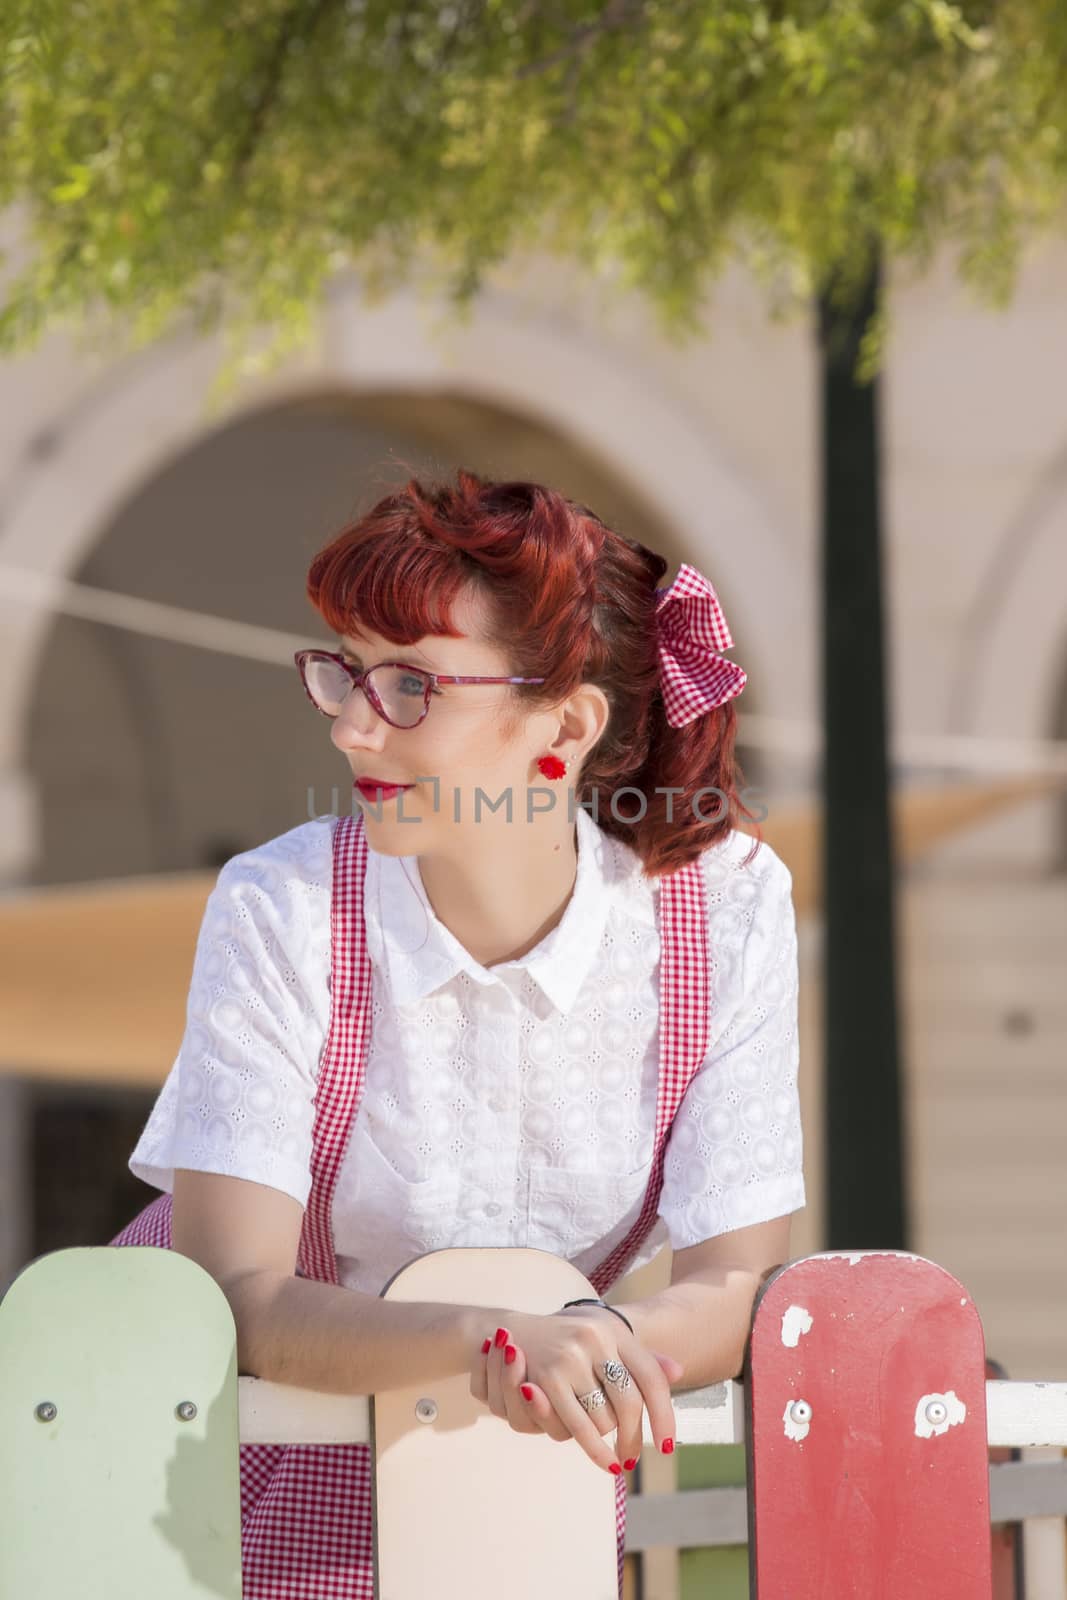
{"x": 868, "y": 1463}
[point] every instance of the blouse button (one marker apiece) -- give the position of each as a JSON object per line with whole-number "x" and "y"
{"x": 497, "y": 1104}
{"x": 491, "y": 1209}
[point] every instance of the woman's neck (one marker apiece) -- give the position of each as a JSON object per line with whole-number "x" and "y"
{"x": 500, "y": 902}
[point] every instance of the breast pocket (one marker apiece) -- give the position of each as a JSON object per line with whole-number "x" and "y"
{"x": 582, "y": 1215}
{"x": 378, "y": 1213}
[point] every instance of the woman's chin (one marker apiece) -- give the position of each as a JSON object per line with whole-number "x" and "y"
{"x": 390, "y": 834}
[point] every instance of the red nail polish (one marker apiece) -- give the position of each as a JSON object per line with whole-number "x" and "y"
{"x": 631, "y": 1464}
{"x": 526, "y": 1391}
{"x": 510, "y": 1353}
{"x": 501, "y": 1337}
{"x": 615, "y": 1468}
{"x": 485, "y": 1347}
{"x": 667, "y": 1447}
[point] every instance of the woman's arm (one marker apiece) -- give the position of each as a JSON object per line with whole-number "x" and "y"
{"x": 703, "y": 1319}
{"x": 341, "y": 1341}
{"x": 233, "y": 1139}
{"x": 297, "y": 1330}
{"x": 733, "y": 1169}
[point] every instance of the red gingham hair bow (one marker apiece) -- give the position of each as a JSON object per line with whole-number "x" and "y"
{"x": 691, "y": 630}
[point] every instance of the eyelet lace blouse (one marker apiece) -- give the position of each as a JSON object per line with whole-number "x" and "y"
{"x": 511, "y": 1105}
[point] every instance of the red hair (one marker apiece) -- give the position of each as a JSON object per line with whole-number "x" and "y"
{"x": 568, "y": 599}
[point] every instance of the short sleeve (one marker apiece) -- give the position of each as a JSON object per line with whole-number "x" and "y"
{"x": 239, "y": 1098}
{"x": 735, "y": 1149}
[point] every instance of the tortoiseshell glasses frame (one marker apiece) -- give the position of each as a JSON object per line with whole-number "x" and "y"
{"x": 362, "y": 679}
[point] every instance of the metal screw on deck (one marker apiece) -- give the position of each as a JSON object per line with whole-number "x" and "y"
{"x": 186, "y": 1411}
{"x": 45, "y": 1412}
{"x": 426, "y": 1410}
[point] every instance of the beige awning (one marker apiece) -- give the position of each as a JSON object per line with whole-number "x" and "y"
{"x": 94, "y": 978}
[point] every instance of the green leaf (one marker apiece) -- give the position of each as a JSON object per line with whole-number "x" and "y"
{"x": 222, "y": 162}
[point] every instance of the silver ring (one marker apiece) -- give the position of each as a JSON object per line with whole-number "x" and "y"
{"x": 616, "y": 1374}
{"x": 593, "y": 1400}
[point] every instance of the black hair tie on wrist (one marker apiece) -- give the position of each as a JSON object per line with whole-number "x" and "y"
{"x": 614, "y": 1309}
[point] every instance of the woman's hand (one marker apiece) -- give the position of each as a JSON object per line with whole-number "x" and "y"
{"x": 560, "y": 1356}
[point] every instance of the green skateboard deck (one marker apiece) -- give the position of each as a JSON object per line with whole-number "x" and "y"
{"x": 118, "y": 1430}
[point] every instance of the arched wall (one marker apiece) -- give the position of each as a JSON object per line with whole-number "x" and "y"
{"x": 640, "y": 433}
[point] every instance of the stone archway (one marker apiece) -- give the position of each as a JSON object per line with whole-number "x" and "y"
{"x": 1010, "y": 673}
{"x": 528, "y": 388}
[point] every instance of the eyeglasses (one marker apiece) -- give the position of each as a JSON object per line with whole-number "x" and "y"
{"x": 399, "y": 693}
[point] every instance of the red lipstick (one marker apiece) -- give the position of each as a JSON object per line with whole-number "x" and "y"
{"x": 373, "y": 789}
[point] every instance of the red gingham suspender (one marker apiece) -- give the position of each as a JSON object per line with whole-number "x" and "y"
{"x": 684, "y": 1027}
{"x": 339, "y": 1487}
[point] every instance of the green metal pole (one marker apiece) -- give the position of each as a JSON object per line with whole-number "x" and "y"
{"x": 865, "y": 1159}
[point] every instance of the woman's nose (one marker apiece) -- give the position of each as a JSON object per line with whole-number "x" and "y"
{"x": 357, "y": 723}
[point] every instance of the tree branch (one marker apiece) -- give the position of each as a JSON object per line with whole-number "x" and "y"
{"x": 275, "y": 71}
{"x": 616, "y": 14}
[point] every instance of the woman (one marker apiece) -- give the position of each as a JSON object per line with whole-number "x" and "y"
{"x": 490, "y": 1008}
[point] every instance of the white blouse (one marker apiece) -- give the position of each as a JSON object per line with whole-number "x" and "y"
{"x": 511, "y": 1105}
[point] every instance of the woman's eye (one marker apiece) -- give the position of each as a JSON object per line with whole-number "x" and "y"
{"x": 413, "y": 685}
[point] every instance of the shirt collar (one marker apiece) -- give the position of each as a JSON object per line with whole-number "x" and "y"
{"x": 405, "y": 935}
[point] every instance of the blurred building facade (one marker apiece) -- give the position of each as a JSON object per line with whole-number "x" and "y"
{"x": 123, "y": 754}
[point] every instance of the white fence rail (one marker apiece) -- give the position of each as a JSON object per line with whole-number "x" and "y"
{"x": 1029, "y": 1417}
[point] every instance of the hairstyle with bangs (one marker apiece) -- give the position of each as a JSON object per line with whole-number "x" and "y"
{"x": 566, "y": 598}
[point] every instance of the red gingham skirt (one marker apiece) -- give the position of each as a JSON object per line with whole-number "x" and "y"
{"x": 306, "y": 1529}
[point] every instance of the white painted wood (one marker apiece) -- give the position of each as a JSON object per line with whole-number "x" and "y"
{"x": 1044, "y": 1546}
{"x": 656, "y": 1566}
{"x": 702, "y": 1518}
{"x": 1027, "y": 1414}
{"x": 1030, "y": 1416}
{"x": 277, "y": 1413}
{"x": 690, "y": 1519}
{"x": 1021, "y": 1489}
{"x": 274, "y": 1413}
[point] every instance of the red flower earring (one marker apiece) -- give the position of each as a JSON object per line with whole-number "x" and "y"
{"x": 552, "y": 766}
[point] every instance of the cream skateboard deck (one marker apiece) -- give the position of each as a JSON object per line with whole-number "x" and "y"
{"x": 452, "y": 1479}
